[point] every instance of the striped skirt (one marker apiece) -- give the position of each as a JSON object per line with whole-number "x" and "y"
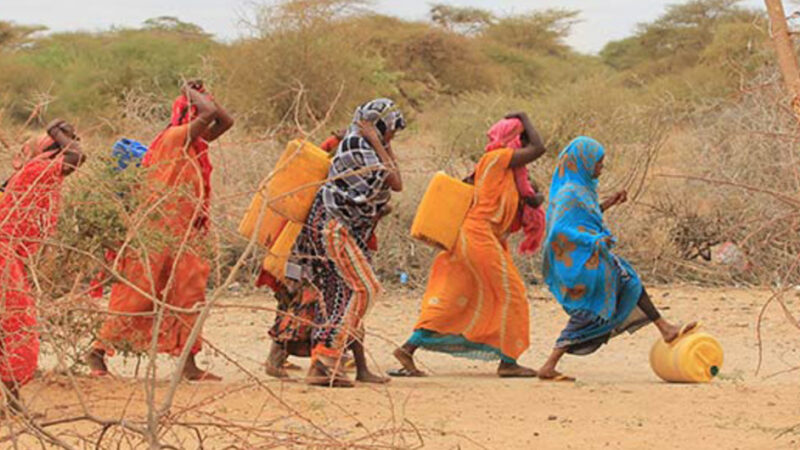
{"x": 336, "y": 263}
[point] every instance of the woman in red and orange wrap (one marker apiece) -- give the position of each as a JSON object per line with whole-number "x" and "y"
{"x": 29, "y": 211}
{"x": 177, "y": 195}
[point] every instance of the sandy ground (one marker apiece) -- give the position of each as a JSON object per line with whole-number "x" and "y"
{"x": 617, "y": 403}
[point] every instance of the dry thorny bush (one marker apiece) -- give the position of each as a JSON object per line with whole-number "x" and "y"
{"x": 101, "y": 212}
{"x": 725, "y": 173}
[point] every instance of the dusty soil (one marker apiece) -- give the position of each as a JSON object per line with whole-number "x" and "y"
{"x": 617, "y": 403}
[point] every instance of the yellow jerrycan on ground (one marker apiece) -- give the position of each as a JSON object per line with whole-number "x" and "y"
{"x": 442, "y": 211}
{"x": 695, "y": 357}
{"x": 289, "y": 191}
{"x": 275, "y": 262}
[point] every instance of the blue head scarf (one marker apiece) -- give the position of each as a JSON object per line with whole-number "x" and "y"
{"x": 579, "y": 267}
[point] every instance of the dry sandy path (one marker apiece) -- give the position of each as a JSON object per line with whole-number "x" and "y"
{"x": 617, "y": 403}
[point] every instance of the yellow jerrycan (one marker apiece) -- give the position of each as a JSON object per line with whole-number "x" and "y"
{"x": 271, "y": 222}
{"x": 275, "y": 262}
{"x": 442, "y": 211}
{"x": 695, "y": 357}
{"x": 289, "y": 191}
{"x": 300, "y": 172}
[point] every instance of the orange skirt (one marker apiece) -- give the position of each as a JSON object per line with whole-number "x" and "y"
{"x": 185, "y": 290}
{"x": 475, "y": 303}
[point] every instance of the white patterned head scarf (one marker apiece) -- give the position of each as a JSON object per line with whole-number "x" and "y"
{"x": 381, "y": 112}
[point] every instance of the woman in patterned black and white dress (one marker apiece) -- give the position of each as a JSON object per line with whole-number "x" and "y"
{"x": 331, "y": 253}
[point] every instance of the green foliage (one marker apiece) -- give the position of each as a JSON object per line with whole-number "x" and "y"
{"x": 697, "y": 52}
{"x": 95, "y": 216}
{"x": 312, "y": 61}
{"x": 289, "y": 76}
{"x": 441, "y": 61}
{"x": 13, "y": 36}
{"x": 678, "y": 39}
{"x": 539, "y": 32}
{"x": 88, "y": 75}
{"x": 172, "y": 24}
{"x": 461, "y": 19}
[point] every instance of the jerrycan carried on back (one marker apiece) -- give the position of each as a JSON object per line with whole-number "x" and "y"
{"x": 271, "y": 222}
{"x": 275, "y": 262}
{"x": 442, "y": 211}
{"x": 695, "y": 357}
{"x": 288, "y": 192}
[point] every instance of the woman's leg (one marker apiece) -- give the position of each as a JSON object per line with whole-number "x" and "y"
{"x": 548, "y": 370}
{"x": 356, "y": 287}
{"x": 363, "y": 373}
{"x": 275, "y": 361}
{"x": 647, "y": 306}
{"x": 669, "y": 331}
{"x": 510, "y": 369}
{"x": 11, "y": 393}
{"x": 193, "y": 373}
{"x": 96, "y": 360}
{"x": 405, "y": 356}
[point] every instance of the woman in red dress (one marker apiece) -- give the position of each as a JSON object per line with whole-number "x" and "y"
{"x": 28, "y": 215}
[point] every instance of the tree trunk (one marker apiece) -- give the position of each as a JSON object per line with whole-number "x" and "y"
{"x": 787, "y": 59}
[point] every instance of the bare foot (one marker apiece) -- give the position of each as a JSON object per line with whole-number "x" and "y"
{"x": 276, "y": 372}
{"x": 370, "y": 377}
{"x": 551, "y": 374}
{"x": 407, "y": 361}
{"x": 276, "y": 361}
{"x": 193, "y": 373}
{"x": 288, "y": 365}
{"x": 320, "y": 375}
{"x": 97, "y": 363}
{"x": 200, "y": 375}
{"x": 514, "y": 370}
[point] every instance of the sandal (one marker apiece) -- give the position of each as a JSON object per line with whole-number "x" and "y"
{"x": 517, "y": 372}
{"x": 406, "y": 373}
{"x": 560, "y": 378}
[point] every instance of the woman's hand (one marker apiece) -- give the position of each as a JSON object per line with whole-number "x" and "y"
{"x": 54, "y": 126}
{"x": 533, "y": 147}
{"x": 64, "y": 135}
{"x": 194, "y": 84}
{"x": 534, "y": 201}
{"x": 616, "y": 199}
{"x": 370, "y": 133}
{"x": 521, "y": 115}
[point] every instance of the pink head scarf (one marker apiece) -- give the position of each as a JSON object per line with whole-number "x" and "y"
{"x": 507, "y": 133}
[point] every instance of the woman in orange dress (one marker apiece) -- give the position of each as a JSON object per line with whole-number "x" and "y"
{"x": 174, "y": 269}
{"x": 29, "y": 212}
{"x": 475, "y": 304}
